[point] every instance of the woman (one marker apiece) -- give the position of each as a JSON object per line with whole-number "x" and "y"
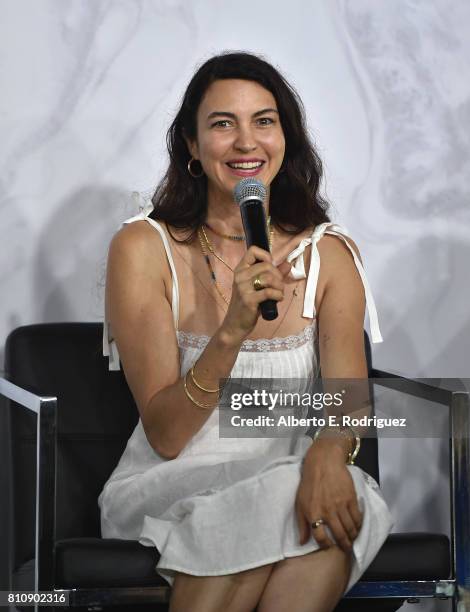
{"x": 275, "y": 523}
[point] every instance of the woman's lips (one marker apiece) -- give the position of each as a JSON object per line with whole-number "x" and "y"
{"x": 245, "y": 172}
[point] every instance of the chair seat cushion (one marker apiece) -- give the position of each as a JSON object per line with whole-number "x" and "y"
{"x": 94, "y": 562}
{"x": 97, "y": 563}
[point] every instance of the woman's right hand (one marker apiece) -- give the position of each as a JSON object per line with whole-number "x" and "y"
{"x": 243, "y": 311}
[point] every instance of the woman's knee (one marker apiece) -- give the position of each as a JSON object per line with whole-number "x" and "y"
{"x": 314, "y": 581}
{"x": 228, "y": 590}
{"x": 250, "y": 586}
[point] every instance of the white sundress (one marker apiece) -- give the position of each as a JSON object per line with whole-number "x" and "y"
{"x": 225, "y": 505}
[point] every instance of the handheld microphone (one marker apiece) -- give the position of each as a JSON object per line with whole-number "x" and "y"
{"x": 249, "y": 194}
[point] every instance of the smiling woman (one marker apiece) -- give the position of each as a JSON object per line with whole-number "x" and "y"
{"x": 275, "y": 523}
{"x": 238, "y": 98}
{"x": 254, "y": 134}
{"x": 262, "y": 126}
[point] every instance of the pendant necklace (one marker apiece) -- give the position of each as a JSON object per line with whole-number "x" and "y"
{"x": 206, "y": 244}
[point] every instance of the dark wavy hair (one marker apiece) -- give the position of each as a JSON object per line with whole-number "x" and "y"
{"x": 181, "y": 200}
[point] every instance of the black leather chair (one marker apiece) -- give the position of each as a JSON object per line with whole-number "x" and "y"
{"x": 82, "y": 415}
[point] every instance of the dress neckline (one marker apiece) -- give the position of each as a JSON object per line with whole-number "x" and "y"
{"x": 298, "y": 271}
{"x": 188, "y": 340}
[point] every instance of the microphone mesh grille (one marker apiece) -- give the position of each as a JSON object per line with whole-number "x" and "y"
{"x": 250, "y": 188}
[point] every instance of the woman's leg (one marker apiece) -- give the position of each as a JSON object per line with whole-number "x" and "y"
{"x": 314, "y": 582}
{"x": 238, "y": 592}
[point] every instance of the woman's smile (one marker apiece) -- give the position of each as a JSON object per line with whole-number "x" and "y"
{"x": 245, "y": 167}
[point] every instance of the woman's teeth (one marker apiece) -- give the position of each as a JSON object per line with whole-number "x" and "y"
{"x": 246, "y": 165}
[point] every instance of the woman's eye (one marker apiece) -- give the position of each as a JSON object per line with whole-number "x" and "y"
{"x": 219, "y": 123}
{"x": 266, "y": 120}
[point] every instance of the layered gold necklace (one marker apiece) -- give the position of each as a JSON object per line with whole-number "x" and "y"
{"x": 206, "y": 245}
{"x": 236, "y": 237}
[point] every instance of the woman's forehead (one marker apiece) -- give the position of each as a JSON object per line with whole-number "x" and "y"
{"x": 236, "y": 94}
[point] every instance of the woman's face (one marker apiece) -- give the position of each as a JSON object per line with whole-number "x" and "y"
{"x": 238, "y": 135}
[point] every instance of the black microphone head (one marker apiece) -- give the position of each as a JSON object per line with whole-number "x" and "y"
{"x": 249, "y": 189}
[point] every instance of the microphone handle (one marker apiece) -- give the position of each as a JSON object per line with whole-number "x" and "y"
{"x": 254, "y": 224}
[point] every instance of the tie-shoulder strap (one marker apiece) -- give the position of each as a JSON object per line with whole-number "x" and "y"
{"x": 109, "y": 345}
{"x": 298, "y": 271}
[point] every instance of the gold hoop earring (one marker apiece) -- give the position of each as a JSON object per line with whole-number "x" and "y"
{"x": 190, "y": 171}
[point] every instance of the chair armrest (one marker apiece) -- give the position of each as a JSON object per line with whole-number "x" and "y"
{"x": 458, "y": 403}
{"x": 410, "y": 386}
{"x": 46, "y": 409}
{"x": 22, "y": 396}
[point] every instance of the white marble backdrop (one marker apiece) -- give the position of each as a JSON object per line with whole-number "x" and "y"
{"x": 90, "y": 86}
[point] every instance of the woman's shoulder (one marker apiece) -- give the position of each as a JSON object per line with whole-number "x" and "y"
{"x": 146, "y": 233}
{"x": 334, "y": 246}
{"x": 337, "y": 263}
{"x": 136, "y": 245}
{"x": 137, "y": 236}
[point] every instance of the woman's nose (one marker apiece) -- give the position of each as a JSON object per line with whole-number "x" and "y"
{"x": 245, "y": 140}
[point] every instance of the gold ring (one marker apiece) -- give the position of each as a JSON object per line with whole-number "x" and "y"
{"x": 316, "y": 524}
{"x": 257, "y": 284}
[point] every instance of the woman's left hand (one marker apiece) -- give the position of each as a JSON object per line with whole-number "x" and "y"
{"x": 326, "y": 491}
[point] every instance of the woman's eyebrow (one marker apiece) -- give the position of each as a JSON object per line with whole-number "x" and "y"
{"x": 265, "y": 110}
{"x": 233, "y": 116}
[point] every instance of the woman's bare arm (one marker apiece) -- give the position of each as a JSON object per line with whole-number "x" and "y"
{"x": 326, "y": 488}
{"x": 141, "y": 320}
{"x": 341, "y": 309}
{"x": 341, "y": 312}
{"x": 139, "y": 311}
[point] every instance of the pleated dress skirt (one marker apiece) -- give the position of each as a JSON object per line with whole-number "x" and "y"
{"x": 226, "y": 505}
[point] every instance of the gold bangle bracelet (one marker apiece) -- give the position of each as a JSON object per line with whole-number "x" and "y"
{"x": 194, "y": 401}
{"x": 352, "y": 454}
{"x": 357, "y": 443}
{"x": 200, "y": 386}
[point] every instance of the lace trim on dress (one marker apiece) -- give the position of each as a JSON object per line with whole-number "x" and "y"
{"x": 261, "y": 345}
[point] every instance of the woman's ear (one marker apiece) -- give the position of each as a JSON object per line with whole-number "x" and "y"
{"x": 192, "y": 147}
